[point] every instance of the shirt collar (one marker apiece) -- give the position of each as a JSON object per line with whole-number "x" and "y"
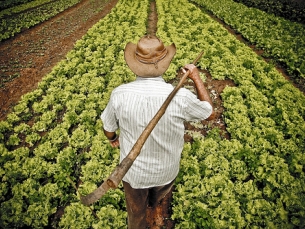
{"x": 158, "y": 78}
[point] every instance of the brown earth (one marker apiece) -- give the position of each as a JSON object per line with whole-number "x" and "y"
{"x": 30, "y": 55}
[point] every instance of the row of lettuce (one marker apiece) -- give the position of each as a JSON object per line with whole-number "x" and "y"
{"x": 291, "y": 10}
{"x": 14, "y": 20}
{"x": 11, "y": 3}
{"x": 281, "y": 39}
{"x": 54, "y": 137}
{"x": 256, "y": 179}
{"x": 22, "y": 7}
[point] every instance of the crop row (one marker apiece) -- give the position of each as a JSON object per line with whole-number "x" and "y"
{"x": 53, "y": 139}
{"x": 11, "y": 3}
{"x": 22, "y": 7}
{"x": 9, "y": 26}
{"x": 291, "y": 10}
{"x": 256, "y": 179}
{"x": 281, "y": 39}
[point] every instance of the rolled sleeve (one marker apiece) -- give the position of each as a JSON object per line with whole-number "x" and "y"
{"x": 108, "y": 116}
{"x": 197, "y": 110}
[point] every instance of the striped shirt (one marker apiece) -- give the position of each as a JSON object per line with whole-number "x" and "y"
{"x": 131, "y": 107}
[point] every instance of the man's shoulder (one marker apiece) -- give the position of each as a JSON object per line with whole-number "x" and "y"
{"x": 144, "y": 87}
{"x": 141, "y": 85}
{"x": 123, "y": 87}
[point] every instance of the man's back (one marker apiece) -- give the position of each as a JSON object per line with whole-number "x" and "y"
{"x": 134, "y": 105}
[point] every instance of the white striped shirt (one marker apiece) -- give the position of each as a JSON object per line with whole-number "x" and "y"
{"x": 131, "y": 108}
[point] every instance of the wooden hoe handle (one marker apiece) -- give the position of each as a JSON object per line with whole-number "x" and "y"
{"x": 119, "y": 172}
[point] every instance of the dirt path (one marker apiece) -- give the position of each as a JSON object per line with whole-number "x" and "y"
{"x": 30, "y": 55}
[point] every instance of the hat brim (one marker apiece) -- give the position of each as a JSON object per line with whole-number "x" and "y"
{"x": 148, "y": 70}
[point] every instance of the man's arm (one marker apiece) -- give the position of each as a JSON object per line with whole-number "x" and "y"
{"x": 113, "y": 138}
{"x": 202, "y": 92}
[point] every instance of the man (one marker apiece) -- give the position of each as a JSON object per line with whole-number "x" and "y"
{"x": 130, "y": 109}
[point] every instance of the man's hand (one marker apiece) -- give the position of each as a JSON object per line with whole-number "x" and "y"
{"x": 113, "y": 138}
{"x": 194, "y": 73}
{"x": 115, "y": 143}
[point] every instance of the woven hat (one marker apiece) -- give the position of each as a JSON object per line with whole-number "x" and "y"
{"x": 149, "y": 57}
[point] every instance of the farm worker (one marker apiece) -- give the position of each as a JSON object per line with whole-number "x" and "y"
{"x": 130, "y": 109}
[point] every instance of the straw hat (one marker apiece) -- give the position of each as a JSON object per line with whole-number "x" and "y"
{"x": 149, "y": 58}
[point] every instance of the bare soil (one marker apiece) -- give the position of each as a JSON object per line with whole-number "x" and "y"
{"x": 30, "y": 55}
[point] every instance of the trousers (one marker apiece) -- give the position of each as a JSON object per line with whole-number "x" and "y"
{"x": 137, "y": 200}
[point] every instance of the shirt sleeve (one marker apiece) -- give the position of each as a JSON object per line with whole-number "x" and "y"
{"x": 196, "y": 110}
{"x": 108, "y": 116}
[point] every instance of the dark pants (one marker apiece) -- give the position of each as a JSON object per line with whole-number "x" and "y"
{"x": 137, "y": 200}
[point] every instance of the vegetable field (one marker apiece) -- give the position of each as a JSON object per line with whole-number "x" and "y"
{"x": 14, "y": 19}
{"x": 52, "y": 142}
